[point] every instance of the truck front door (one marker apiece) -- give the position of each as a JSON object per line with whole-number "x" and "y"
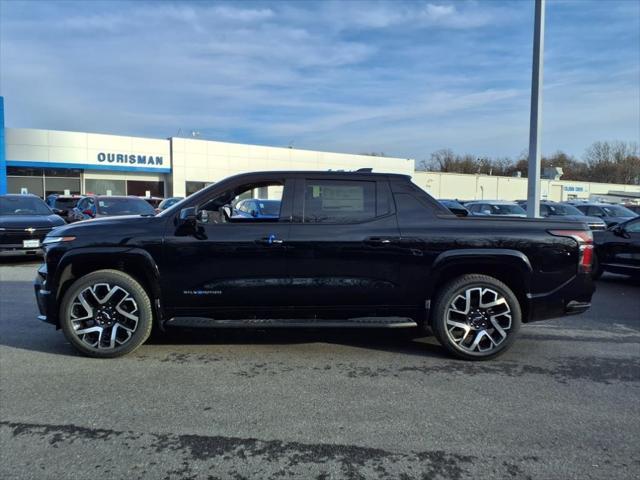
{"x": 229, "y": 262}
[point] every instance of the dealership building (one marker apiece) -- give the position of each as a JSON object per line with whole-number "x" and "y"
{"x": 50, "y": 161}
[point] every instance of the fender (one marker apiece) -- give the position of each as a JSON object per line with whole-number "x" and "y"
{"x": 488, "y": 257}
{"x": 111, "y": 257}
{"x": 493, "y": 255}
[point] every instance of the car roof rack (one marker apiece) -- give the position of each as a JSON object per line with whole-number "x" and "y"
{"x": 365, "y": 170}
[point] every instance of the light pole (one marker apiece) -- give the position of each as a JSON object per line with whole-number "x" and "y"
{"x": 535, "y": 123}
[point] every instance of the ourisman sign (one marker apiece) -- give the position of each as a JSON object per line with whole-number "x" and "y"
{"x": 130, "y": 159}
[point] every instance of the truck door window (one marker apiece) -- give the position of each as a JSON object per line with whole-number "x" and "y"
{"x": 246, "y": 203}
{"x": 339, "y": 201}
{"x": 411, "y": 211}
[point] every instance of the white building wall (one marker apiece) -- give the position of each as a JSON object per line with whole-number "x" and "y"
{"x": 209, "y": 161}
{"x": 478, "y": 187}
{"x": 50, "y": 148}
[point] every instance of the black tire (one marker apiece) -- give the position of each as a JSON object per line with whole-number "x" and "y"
{"x": 455, "y": 288}
{"x": 596, "y": 268}
{"x": 143, "y": 312}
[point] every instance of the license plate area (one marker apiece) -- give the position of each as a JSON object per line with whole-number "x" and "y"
{"x": 31, "y": 243}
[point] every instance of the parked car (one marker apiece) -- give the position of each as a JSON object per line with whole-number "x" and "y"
{"x": 93, "y": 206}
{"x": 495, "y": 207}
{"x": 455, "y": 206}
{"x": 618, "y": 249}
{"x": 567, "y": 212}
{"x": 634, "y": 208}
{"x": 62, "y": 204}
{"x": 612, "y": 214}
{"x": 168, "y": 202}
{"x": 24, "y": 221}
{"x": 257, "y": 208}
{"x": 348, "y": 249}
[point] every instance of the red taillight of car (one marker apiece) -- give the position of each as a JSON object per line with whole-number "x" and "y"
{"x": 585, "y": 243}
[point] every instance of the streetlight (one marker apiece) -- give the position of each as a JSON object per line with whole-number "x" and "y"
{"x": 535, "y": 123}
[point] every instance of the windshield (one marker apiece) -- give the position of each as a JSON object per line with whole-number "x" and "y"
{"x": 154, "y": 202}
{"x": 168, "y": 202}
{"x": 558, "y": 209}
{"x": 65, "y": 203}
{"x": 23, "y": 206}
{"x": 172, "y": 208}
{"x": 452, "y": 204}
{"x": 618, "y": 211}
{"x": 269, "y": 207}
{"x": 124, "y": 206}
{"x": 507, "y": 209}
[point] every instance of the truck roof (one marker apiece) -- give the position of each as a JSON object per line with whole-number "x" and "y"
{"x": 337, "y": 173}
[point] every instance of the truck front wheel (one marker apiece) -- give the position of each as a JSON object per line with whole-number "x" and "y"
{"x": 106, "y": 314}
{"x": 476, "y": 317}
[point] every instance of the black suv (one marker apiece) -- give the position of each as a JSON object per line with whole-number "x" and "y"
{"x": 346, "y": 249}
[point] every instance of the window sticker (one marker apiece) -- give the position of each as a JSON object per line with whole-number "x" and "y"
{"x": 343, "y": 198}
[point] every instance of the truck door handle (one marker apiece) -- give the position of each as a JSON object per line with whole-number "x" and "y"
{"x": 270, "y": 240}
{"x": 380, "y": 240}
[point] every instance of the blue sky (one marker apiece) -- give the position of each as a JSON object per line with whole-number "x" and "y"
{"x": 400, "y": 78}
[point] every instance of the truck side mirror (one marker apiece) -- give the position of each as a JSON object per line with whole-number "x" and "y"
{"x": 188, "y": 216}
{"x": 620, "y": 231}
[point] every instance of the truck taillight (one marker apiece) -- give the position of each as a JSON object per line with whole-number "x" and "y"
{"x": 585, "y": 244}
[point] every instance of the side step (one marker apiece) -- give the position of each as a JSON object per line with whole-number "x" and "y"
{"x": 361, "y": 322}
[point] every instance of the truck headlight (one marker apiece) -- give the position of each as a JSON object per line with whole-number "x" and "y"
{"x": 50, "y": 240}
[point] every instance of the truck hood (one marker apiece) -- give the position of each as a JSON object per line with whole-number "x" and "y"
{"x": 26, "y": 221}
{"x": 119, "y": 225}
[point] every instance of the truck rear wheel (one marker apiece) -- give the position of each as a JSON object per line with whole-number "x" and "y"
{"x": 476, "y": 317}
{"x": 106, "y": 314}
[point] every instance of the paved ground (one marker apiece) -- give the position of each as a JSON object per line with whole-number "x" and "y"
{"x": 562, "y": 404}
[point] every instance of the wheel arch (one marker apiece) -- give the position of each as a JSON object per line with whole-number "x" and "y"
{"x": 136, "y": 262}
{"x": 511, "y": 267}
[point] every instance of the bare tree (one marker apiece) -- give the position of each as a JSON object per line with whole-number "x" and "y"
{"x": 613, "y": 162}
{"x": 608, "y": 162}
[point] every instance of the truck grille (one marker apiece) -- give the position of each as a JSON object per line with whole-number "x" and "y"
{"x": 17, "y": 235}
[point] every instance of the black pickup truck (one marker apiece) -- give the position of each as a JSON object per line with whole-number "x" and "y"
{"x": 348, "y": 249}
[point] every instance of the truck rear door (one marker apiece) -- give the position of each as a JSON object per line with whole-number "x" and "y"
{"x": 342, "y": 246}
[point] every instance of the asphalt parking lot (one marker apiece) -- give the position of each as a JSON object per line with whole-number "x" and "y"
{"x": 562, "y": 404}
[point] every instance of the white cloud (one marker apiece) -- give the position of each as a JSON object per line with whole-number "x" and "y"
{"x": 403, "y": 78}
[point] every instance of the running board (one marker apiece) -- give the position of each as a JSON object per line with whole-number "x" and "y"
{"x": 363, "y": 322}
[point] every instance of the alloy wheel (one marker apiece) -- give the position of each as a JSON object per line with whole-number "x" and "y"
{"x": 478, "y": 320}
{"x": 104, "y": 316}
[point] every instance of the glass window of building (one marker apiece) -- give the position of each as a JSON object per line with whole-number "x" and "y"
{"x": 25, "y": 185}
{"x": 105, "y": 187}
{"x": 193, "y": 187}
{"x": 140, "y": 188}
{"x": 62, "y": 185}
